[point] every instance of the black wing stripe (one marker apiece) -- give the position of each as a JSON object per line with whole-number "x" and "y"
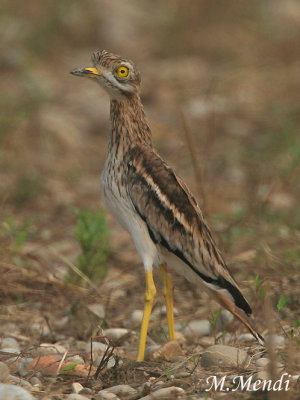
{"x": 221, "y": 282}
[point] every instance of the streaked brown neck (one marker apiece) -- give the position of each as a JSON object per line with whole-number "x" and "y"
{"x": 128, "y": 124}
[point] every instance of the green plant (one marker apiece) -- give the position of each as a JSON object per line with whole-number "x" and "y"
{"x": 281, "y": 303}
{"x": 93, "y": 234}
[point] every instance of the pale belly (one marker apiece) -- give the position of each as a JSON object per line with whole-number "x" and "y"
{"x": 119, "y": 205}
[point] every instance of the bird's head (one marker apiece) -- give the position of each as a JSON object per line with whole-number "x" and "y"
{"x": 117, "y": 75}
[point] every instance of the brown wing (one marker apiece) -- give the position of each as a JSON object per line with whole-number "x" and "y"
{"x": 175, "y": 221}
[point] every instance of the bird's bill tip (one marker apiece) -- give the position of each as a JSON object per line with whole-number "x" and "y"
{"x": 89, "y": 72}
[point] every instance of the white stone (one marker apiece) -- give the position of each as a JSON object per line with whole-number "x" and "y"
{"x": 104, "y": 395}
{"x": 51, "y": 348}
{"x": 97, "y": 309}
{"x": 135, "y": 319}
{"x": 13, "y": 392}
{"x": 97, "y": 348}
{"x": 115, "y": 333}
{"x": 76, "y": 387}
{"x": 10, "y": 343}
{"x": 10, "y": 350}
{"x": 19, "y": 381}
{"x": 246, "y": 337}
{"x": 197, "y": 328}
{"x": 122, "y": 390}
{"x": 220, "y": 356}
{"x": 76, "y": 396}
{"x": 262, "y": 362}
{"x": 276, "y": 340}
{"x": 172, "y": 392}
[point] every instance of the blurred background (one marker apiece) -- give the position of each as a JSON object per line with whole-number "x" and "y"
{"x": 221, "y": 88}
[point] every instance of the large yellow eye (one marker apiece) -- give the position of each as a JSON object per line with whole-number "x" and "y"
{"x": 122, "y": 71}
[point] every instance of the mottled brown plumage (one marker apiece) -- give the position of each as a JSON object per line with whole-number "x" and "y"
{"x": 149, "y": 200}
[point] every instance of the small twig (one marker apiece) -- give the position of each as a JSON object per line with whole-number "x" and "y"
{"x": 61, "y": 362}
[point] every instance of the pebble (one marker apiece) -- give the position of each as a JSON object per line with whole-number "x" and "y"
{"x": 19, "y": 381}
{"x": 9, "y": 350}
{"x": 97, "y": 309}
{"x": 23, "y": 365}
{"x": 76, "y": 387}
{"x": 76, "y": 396}
{"x": 197, "y": 328}
{"x": 121, "y": 390}
{"x": 35, "y": 381}
{"x": 111, "y": 362}
{"x": 10, "y": 343}
{"x": 76, "y": 359}
{"x": 172, "y": 392}
{"x": 166, "y": 352}
{"x": 50, "y": 348}
{"x": 162, "y": 311}
{"x": 97, "y": 348}
{"x": 134, "y": 320}
{"x": 276, "y": 340}
{"x": 13, "y": 392}
{"x": 224, "y": 320}
{"x": 246, "y": 337}
{"x": 4, "y": 372}
{"x": 86, "y": 391}
{"x": 115, "y": 333}
{"x": 224, "y": 356}
{"x": 104, "y": 395}
{"x": 262, "y": 362}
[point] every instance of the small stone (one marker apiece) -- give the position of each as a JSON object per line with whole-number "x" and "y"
{"x": 10, "y": 343}
{"x": 135, "y": 319}
{"x": 19, "y": 381}
{"x": 246, "y": 338}
{"x": 172, "y": 392}
{"x": 23, "y": 365}
{"x": 104, "y": 395}
{"x": 10, "y": 350}
{"x": 98, "y": 348}
{"x": 115, "y": 333}
{"x": 197, "y": 328}
{"x": 86, "y": 391}
{"x": 4, "y": 372}
{"x": 50, "y": 348}
{"x": 149, "y": 349}
{"x": 166, "y": 352}
{"x": 224, "y": 320}
{"x": 13, "y": 392}
{"x": 76, "y": 387}
{"x": 262, "y": 375}
{"x": 76, "y": 359}
{"x": 276, "y": 340}
{"x": 35, "y": 381}
{"x": 220, "y": 356}
{"x": 97, "y": 309}
{"x": 262, "y": 362}
{"x": 121, "y": 390}
{"x": 76, "y": 396}
{"x": 111, "y": 362}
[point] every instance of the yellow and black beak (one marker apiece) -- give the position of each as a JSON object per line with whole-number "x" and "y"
{"x": 89, "y": 72}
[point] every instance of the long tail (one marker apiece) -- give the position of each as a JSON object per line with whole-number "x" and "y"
{"x": 232, "y": 302}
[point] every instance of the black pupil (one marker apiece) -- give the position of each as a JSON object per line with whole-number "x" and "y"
{"x": 122, "y": 71}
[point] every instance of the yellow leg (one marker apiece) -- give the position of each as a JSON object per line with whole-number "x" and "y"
{"x": 149, "y": 297}
{"x": 168, "y": 293}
